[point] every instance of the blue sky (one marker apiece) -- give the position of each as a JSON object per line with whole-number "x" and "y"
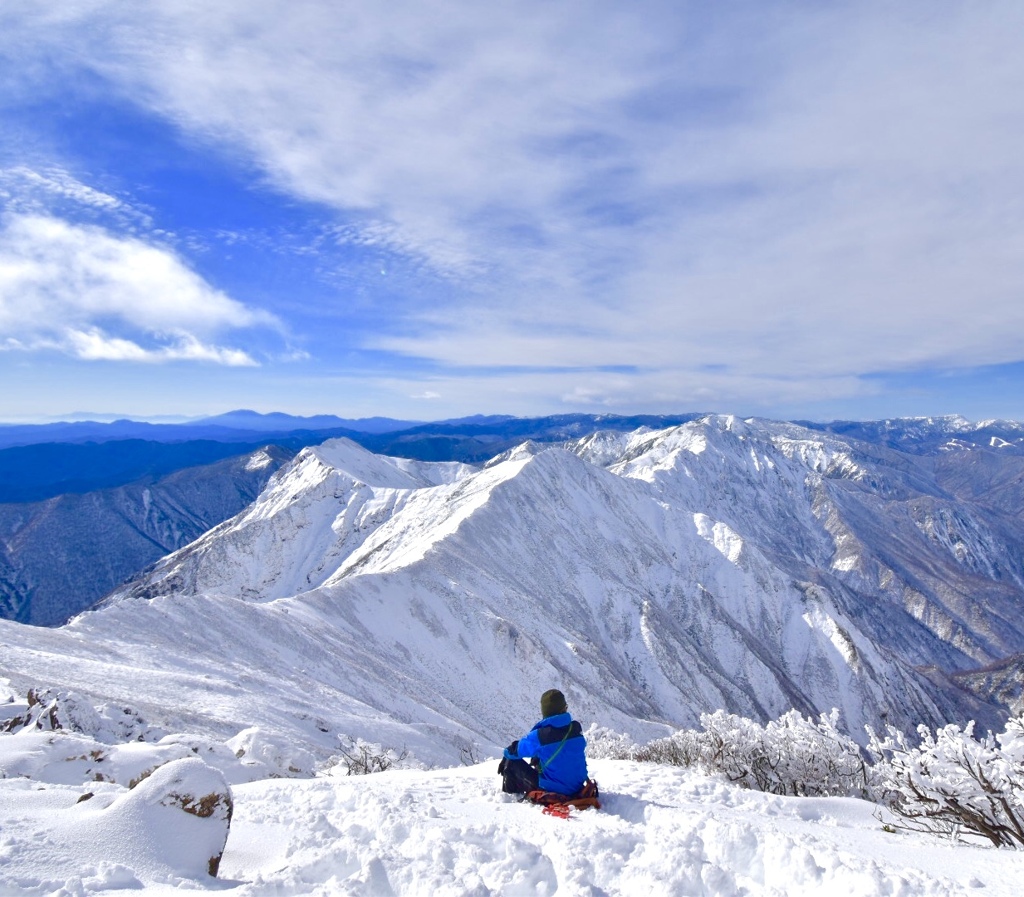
{"x": 426, "y": 210}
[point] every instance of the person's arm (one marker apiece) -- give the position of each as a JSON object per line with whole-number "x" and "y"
{"x": 527, "y": 746}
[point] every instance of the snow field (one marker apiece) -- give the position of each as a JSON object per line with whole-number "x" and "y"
{"x": 100, "y": 839}
{"x": 662, "y": 831}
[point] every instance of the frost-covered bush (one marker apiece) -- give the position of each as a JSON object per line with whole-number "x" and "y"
{"x": 359, "y": 758}
{"x": 817, "y": 758}
{"x": 952, "y": 781}
{"x": 790, "y": 755}
{"x": 606, "y": 744}
{"x": 682, "y": 748}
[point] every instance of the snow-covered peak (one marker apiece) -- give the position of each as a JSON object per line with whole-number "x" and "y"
{"x": 379, "y": 471}
{"x": 259, "y": 460}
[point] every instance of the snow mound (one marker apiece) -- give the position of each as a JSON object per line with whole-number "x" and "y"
{"x": 170, "y": 829}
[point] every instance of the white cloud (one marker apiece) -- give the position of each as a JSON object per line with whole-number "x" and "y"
{"x": 94, "y": 345}
{"x": 804, "y": 194}
{"x": 83, "y": 291}
{"x": 19, "y": 180}
{"x": 654, "y": 392}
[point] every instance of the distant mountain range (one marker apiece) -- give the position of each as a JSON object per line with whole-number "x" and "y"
{"x": 234, "y": 426}
{"x": 71, "y": 527}
{"x": 85, "y": 475}
{"x": 930, "y": 435}
{"x": 750, "y": 565}
{"x": 44, "y": 461}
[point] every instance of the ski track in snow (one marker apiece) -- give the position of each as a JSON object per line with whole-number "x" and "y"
{"x": 662, "y": 831}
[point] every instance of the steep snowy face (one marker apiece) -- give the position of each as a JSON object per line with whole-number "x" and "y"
{"x": 726, "y": 468}
{"x": 301, "y": 529}
{"x": 652, "y": 576}
{"x": 922, "y": 551}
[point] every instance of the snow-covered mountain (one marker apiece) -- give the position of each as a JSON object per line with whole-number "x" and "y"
{"x": 931, "y": 435}
{"x": 69, "y": 532}
{"x": 752, "y": 566}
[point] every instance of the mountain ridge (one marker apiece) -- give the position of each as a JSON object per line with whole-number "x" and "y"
{"x": 645, "y": 572}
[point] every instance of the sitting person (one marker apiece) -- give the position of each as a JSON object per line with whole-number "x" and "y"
{"x": 557, "y": 747}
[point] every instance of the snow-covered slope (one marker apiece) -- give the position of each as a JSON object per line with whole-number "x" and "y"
{"x": 749, "y": 566}
{"x": 926, "y": 568}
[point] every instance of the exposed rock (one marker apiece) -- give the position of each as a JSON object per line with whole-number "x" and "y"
{"x": 202, "y": 796}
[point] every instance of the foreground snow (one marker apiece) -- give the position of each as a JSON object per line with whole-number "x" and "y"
{"x": 663, "y": 830}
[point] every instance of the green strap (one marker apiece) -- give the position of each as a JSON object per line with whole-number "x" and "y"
{"x": 561, "y": 745}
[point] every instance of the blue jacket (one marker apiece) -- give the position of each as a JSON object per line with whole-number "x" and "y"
{"x": 558, "y": 743}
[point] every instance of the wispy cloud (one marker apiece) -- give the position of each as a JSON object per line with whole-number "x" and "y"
{"x": 739, "y": 201}
{"x": 80, "y": 290}
{"x": 94, "y": 345}
{"x": 20, "y": 187}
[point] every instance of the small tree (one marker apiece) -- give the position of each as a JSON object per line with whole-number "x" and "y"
{"x": 952, "y": 781}
{"x": 361, "y": 759}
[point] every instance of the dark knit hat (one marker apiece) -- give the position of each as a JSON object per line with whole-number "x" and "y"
{"x": 552, "y": 702}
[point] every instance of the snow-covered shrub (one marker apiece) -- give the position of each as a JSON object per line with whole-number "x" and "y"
{"x": 790, "y": 755}
{"x": 359, "y": 758}
{"x": 607, "y": 744}
{"x": 682, "y": 748}
{"x": 954, "y": 782}
{"x": 816, "y": 758}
